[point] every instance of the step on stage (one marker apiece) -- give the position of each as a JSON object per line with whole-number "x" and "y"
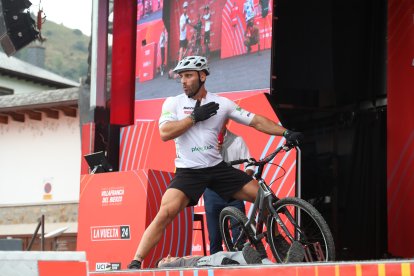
{"x": 75, "y": 264}
{"x": 371, "y": 268}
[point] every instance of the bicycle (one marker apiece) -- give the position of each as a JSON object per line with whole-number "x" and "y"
{"x": 194, "y": 47}
{"x": 287, "y": 220}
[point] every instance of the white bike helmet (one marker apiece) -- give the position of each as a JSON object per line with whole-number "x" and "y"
{"x": 192, "y": 63}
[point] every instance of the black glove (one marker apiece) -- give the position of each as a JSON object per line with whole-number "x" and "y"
{"x": 201, "y": 113}
{"x": 293, "y": 138}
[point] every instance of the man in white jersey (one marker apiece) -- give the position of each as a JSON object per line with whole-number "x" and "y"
{"x": 162, "y": 43}
{"x": 207, "y": 23}
{"x": 184, "y": 20}
{"x": 193, "y": 120}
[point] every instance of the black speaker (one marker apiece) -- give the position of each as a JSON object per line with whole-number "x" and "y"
{"x": 17, "y": 27}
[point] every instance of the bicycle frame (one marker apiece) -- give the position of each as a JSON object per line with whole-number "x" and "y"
{"x": 264, "y": 202}
{"x": 286, "y": 221}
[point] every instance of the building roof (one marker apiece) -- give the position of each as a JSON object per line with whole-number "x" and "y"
{"x": 17, "y": 68}
{"x": 33, "y": 105}
{"x": 68, "y": 96}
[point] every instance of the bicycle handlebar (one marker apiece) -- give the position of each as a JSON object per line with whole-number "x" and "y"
{"x": 253, "y": 162}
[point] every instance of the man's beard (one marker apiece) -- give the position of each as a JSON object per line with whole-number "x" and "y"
{"x": 193, "y": 92}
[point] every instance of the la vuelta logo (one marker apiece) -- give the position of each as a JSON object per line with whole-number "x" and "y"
{"x": 109, "y": 233}
{"x": 112, "y": 196}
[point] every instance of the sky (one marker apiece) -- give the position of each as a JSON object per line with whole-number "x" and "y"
{"x": 74, "y": 14}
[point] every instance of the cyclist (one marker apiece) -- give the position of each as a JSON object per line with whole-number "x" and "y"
{"x": 207, "y": 26}
{"x": 184, "y": 20}
{"x": 193, "y": 120}
{"x": 162, "y": 43}
{"x": 251, "y": 36}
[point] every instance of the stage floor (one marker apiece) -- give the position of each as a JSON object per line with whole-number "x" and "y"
{"x": 380, "y": 268}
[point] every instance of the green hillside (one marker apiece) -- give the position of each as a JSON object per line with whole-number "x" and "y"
{"x": 66, "y": 51}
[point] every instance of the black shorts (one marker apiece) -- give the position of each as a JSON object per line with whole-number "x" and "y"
{"x": 222, "y": 179}
{"x": 183, "y": 43}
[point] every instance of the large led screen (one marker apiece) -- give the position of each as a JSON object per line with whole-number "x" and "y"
{"x": 235, "y": 36}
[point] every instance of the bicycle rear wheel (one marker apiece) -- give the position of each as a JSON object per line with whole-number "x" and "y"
{"x": 305, "y": 225}
{"x": 234, "y": 232}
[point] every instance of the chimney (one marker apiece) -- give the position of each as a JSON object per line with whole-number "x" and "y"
{"x": 36, "y": 55}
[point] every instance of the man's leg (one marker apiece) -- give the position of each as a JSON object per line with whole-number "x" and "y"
{"x": 248, "y": 192}
{"x": 162, "y": 59}
{"x": 213, "y": 204}
{"x": 173, "y": 202}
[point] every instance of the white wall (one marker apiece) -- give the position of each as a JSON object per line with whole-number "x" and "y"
{"x": 21, "y": 86}
{"x": 35, "y": 152}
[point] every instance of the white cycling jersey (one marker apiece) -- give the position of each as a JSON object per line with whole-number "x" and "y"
{"x": 197, "y": 147}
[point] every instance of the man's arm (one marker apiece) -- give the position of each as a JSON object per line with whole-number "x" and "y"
{"x": 267, "y": 126}
{"x": 173, "y": 129}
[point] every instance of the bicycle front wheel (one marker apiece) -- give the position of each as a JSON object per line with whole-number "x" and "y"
{"x": 299, "y": 221}
{"x": 234, "y": 232}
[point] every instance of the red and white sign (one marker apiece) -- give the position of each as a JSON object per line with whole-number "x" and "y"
{"x": 148, "y": 59}
{"x": 115, "y": 209}
{"x": 110, "y": 233}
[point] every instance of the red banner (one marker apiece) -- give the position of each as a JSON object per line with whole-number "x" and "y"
{"x": 148, "y": 57}
{"x": 62, "y": 268}
{"x": 114, "y": 211}
{"x": 400, "y": 127}
{"x": 123, "y": 63}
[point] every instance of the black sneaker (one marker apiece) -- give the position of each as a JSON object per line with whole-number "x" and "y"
{"x": 228, "y": 261}
{"x": 296, "y": 253}
{"x": 135, "y": 264}
{"x": 251, "y": 256}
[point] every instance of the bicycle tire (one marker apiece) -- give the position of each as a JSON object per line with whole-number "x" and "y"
{"x": 226, "y": 228}
{"x": 315, "y": 237}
